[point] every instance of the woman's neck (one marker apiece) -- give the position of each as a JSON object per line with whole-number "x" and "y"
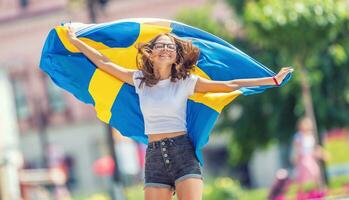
{"x": 162, "y": 72}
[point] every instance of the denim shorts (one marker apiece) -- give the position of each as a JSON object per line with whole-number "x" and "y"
{"x": 169, "y": 161}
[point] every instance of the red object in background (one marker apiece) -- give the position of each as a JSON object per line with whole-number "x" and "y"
{"x": 141, "y": 149}
{"x": 346, "y": 188}
{"x": 104, "y": 166}
{"x": 314, "y": 194}
{"x": 337, "y": 133}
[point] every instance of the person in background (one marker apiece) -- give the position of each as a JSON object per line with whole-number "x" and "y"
{"x": 306, "y": 155}
{"x": 280, "y": 185}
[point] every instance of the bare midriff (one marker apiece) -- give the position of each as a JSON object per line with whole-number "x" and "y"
{"x": 159, "y": 136}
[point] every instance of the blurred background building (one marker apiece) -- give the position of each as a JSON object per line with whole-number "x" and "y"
{"x": 53, "y": 126}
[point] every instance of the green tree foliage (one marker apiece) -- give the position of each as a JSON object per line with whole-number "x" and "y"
{"x": 309, "y": 34}
{"x": 296, "y": 28}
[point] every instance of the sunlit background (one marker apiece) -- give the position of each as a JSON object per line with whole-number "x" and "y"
{"x": 52, "y": 146}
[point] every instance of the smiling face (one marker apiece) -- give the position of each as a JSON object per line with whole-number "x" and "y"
{"x": 164, "y": 51}
{"x": 166, "y": 54}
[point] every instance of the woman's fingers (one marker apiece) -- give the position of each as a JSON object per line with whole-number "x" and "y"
{"x": 287, "y": 69}
{"x": 70, "y": 29}
{"x": 70, "y": 32}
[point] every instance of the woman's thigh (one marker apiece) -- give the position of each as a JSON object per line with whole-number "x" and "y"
{"x": 155, "y": 193}
{"x": 190, "y": 189}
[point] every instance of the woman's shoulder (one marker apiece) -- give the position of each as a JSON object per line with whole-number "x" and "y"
{"x": 138, "y": 73}
{"x": 190, "y": 77}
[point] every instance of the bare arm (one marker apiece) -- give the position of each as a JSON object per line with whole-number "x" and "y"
{"x": 101, "y": 61}
{"x": 204, "y": 85}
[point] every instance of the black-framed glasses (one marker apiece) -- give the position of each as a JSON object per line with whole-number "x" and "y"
{"x": 160, "y": 46}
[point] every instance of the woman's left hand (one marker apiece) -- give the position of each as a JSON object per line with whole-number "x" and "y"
{"x": 71, "y": 33}
{"x": 283, "y": 73}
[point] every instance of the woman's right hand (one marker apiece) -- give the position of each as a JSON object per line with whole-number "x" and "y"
{"x": 71, "y": 33}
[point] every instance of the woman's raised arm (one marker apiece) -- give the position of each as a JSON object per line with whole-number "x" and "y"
{"x": 204, "y": 85}
{"x": 101, "y": 61}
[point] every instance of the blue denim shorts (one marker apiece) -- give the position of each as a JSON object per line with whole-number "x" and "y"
{"x": 169, "y": 161}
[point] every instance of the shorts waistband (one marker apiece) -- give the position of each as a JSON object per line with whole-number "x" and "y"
{"x": 166, "y": 141}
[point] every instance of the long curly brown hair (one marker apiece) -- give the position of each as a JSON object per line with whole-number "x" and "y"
{"x": 187, "y": 56}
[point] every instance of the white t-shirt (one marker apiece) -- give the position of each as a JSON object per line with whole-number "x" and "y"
{"x": 164, "y": 105}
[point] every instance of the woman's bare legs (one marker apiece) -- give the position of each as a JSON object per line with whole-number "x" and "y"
{"x": 156, "y": 193}
{"x": 190, "y": 189}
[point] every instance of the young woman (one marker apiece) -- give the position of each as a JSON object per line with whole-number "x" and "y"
{"x": 164, "y": 82}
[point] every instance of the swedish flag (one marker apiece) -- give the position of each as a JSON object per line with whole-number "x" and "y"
{"x": 116, "y": 102}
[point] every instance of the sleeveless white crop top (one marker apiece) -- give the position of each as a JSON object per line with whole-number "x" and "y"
{"x": 164, "y": 105}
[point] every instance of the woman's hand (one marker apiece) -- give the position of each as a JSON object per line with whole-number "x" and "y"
{"x": 71, "y": 34}
{"x": 283, "y": 73}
